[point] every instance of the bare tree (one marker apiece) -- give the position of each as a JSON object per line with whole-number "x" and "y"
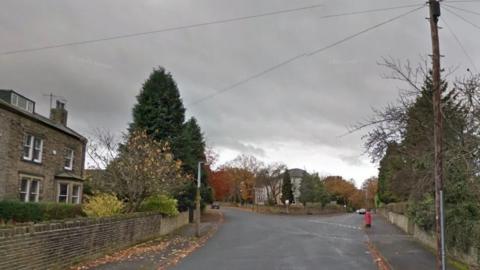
{"x": 102, "y": 148}
{"x": 388, "y": 126}
{"x": 270, "y": 177}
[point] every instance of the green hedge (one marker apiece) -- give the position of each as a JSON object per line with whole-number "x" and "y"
{"x": 15, "y": 211}
{"x": 161, "y": 204}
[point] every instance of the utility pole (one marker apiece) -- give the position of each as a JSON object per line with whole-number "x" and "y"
{"x": 197, "y": 200}
{"x": 437, "y": 134}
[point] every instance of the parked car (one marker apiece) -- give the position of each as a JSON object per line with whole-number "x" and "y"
{"x": 361, "y": 211}
{"x": 215, "y": 205}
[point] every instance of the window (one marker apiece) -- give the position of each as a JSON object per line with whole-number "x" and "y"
{"x": 14, "y": 100}
{"x": 76, "y": 194}
{"x": 32, "y": 148}
{"x": 69, "y": 193}
{"x": 37, "y": 150}
{"x": 62, "y": 193}
{"x": 68, "y": 159}
{"x": 27, "y": 147}
{"x": 33, "y": 193}
{"x": 29, "y": 188}
{"x": 22, "y": 103}
{"x": 30, "y": 106}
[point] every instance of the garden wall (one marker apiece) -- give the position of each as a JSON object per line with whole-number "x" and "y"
{"x": 292, "y": 209}
{"x": 426, "y": 238}
{"x": 59, "y": 245}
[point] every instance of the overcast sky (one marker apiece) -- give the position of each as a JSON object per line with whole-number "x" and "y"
{"x": 295, "y": 114}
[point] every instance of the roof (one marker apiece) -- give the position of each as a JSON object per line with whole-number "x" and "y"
{"x": 42, "y": 119}
{"x": 297, "y": 173}
{"x": 10, "y": 91}
{"x": 67, "y": 175}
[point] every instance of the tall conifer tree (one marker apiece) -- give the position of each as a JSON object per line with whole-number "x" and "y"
{"x": 287, "y": 190}
{"x": 159, "y": 110}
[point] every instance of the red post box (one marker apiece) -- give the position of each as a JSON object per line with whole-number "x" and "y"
{"x": 368, "y": 219}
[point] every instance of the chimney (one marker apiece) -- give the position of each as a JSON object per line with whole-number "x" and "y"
{"x": 59, "y": 114}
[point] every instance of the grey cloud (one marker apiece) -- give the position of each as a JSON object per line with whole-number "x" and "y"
{"x": 312, "y": 100}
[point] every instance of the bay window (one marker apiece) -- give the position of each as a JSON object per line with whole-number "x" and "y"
{"x": 62, "y": 193}
{"x": 69, "y": 193}
{"x": 76, "y": 194}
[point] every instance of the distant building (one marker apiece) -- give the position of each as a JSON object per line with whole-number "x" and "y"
{"x": 261, "y": 196}
{"x": 296, "y": 178}
{"x": 41, "y": 159}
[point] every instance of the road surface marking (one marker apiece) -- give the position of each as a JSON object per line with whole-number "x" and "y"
{"x": 336, "y": 224}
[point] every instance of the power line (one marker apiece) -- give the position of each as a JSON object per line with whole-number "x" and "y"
{"x": 131, "y": 35}
{"x": 291, "y": 59}
{"x": 464, "y": 1}
{"x": 462, "y": 18}
{"x": 462, "y": 9}
{"x": 460, "y": 44}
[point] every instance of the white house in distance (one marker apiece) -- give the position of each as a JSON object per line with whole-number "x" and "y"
{"x": 296, "y": 178}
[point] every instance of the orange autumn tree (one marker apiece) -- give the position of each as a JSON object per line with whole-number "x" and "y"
{"x": 220, "y": 182}
{"x": 241, "y": 174}
{"x": 217, "y": 178}
{"x": 241, "y": 182}
{"x": 340, "y": 189}
{"x": 357, "y": 199}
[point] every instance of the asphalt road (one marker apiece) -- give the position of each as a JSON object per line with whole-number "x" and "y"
{"x": 253, "y": 241}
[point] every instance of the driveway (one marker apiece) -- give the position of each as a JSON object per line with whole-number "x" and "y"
{"x": 252, "y": 241}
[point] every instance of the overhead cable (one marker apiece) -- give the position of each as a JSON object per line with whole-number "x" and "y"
{"x": 196, "y": 25}
{"x": 294, "y": 58}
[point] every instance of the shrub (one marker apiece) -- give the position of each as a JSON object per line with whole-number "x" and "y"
{"x": 52, "y": 211}
{"x": 17, "y": 211}
{"x": 103, "y": 205}
{"x": 185, "y": 195}
{"x": 423, "y": 212}
{"x": 160, "y": 203}
{"x": 20, "y": 212}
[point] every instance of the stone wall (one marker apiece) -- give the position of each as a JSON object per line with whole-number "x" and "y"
{"x": 292, "y": 210}
{"x": 400, "y": 221}
{"x": 59, "y": 245}
{"x": 428, "y": 239}
{"x": 4, "y": 138}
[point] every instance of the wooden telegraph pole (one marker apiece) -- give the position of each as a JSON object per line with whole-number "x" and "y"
{"x": 437, "y": 134}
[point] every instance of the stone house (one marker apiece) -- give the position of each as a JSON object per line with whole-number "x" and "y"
{"x": 41, "y": 159}
{"x": 296, "y": 178}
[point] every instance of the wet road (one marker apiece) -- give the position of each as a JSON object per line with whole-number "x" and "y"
{"x": 254, "y": 241}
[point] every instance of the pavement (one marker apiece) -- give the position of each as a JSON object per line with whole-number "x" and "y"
{"x": 254, "y": 241}
{"x": 156, "y": 259}
{"x": 400, "y": 250}
{"x": 159, "y": 253}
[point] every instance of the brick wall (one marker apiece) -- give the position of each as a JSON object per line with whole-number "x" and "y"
{"x": 58, "y": 245}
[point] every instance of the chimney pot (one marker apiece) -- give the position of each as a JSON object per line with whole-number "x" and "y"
{"x": 59, "y": 114}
